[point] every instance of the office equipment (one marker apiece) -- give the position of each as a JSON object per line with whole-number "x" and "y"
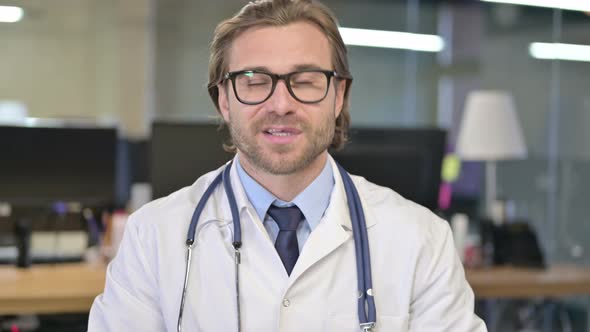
{"x": 514, "y": 243}
{"x": 43, "y": 165}
{"x": 182, "y": 152}
{"x": 460, "y": 227}
{"x": 23, "y": 240}
{"x": 407, "y": 160}
{"x": 48, "y": 174}
{"x": 132, "y": 168}
{"x": 490, "y": 131}
{"x": 34, "y": 236}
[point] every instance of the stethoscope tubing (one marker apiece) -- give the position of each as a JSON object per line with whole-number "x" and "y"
{"x": 359, "y": 231}
{"x": 366, "y": 300}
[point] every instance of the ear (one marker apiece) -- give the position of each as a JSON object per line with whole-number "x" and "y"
{"x": 223, "y": 101}
{"x": 340, "y": 86}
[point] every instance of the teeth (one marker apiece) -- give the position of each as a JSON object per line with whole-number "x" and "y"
{"x": 277, "y": 132}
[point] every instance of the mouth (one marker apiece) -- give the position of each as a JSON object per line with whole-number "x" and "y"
{"x": 281, "y": 132}
{"x": 281, "y": 135}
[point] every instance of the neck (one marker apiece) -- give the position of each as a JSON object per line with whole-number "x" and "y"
{"x": 286, "y": 187}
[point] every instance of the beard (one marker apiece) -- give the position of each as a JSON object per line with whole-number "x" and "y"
{"x": 283, "y": 159}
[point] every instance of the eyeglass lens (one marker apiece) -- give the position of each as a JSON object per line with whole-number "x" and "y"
{"x": 252, "y": 87}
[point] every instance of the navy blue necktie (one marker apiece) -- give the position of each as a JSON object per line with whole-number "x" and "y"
{"x": 288, "y": 218}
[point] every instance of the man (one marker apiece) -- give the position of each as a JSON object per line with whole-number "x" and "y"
{"x": 279, "y": 78}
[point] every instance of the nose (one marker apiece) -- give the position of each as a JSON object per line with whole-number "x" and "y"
{"x": 281, "y": 101}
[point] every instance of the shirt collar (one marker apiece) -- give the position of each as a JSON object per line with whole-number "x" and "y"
{"x": 260, "y": 198}
{"x": 312, "y": 201}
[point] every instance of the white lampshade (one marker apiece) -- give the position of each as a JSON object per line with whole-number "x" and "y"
{"x": 490, "y": 129}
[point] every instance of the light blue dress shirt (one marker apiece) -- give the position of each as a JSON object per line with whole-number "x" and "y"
{"x": 312, "y": 201}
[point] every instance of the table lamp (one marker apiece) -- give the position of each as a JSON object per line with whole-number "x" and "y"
{"x": 490, "y": 132}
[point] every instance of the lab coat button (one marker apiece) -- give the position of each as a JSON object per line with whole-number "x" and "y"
{"x": 286, "y": 303}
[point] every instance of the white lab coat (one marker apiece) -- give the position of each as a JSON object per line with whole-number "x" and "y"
{"x": 418, "y": 280}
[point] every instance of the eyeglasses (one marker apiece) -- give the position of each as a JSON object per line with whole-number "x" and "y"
{"x": 254, "y": 87}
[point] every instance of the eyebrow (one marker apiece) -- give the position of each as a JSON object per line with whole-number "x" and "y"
{"x": 299, "y": 67}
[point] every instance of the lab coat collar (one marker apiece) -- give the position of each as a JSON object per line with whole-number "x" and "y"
{"x": 217, "y": 209}
{"x": 338, "y": 197}
{"x": 221, "y": 211}
{"x": 245, "y": 207}
{"x": 334, "y": 229}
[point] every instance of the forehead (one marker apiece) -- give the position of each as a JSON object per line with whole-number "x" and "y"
{"x": 280, "y": 49}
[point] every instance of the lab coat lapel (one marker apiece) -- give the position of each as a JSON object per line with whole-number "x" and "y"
{"x": 262, "y": 276}
{"x": 258, "y": 249}
{"x": 331, "y": 232}
{"x": 335, "y": 227}
{"x": 221, "y": 211}
{"x": 360, "y": 185}
{"x": 217, "y": 207}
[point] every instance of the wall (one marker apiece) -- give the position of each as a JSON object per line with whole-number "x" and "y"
{"x": 81, "y": 59}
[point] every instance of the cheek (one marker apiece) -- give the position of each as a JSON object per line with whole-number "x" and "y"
{"x": 243, "y": 115}
{"x": 320, "y": 117}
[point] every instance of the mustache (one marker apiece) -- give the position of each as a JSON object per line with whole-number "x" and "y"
{"x": 289, "y": 120}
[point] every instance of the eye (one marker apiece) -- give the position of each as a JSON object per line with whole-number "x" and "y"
{"x": 307, "y": 79}
{"x": 252, "y": 79}
{"x": 257, "y": 82}
{"x": 302, "y": 81}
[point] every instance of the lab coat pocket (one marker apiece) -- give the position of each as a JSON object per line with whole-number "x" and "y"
{"x": 347, "y": 323}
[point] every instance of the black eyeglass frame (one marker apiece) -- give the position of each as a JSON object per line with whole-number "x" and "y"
{"x": 275, "y": 79}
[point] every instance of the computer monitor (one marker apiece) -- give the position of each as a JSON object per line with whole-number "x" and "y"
{"x": 181, "y": 152}
{"x": 43, "y": 165}
{"x": 407, "y": 160}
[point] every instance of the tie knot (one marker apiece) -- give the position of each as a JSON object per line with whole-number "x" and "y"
{"x": 288, "y": 218}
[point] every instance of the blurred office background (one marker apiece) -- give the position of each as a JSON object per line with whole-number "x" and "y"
{"x": 129, "y": 63}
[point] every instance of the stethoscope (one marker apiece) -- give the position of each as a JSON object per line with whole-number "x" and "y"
{"x": 366, "y": 303}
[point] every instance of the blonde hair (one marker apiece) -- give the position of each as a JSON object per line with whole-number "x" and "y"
{"x": 279, "y": 13}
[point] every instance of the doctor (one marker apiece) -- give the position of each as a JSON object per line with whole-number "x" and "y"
{"x": 279, "y": 78}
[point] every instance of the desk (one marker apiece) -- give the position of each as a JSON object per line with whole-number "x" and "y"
{"x": 61, "y": 288}
{"x": 72, "y": 287}
{"x": 521, "y": 283}
{"x": 511, "y": 282}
